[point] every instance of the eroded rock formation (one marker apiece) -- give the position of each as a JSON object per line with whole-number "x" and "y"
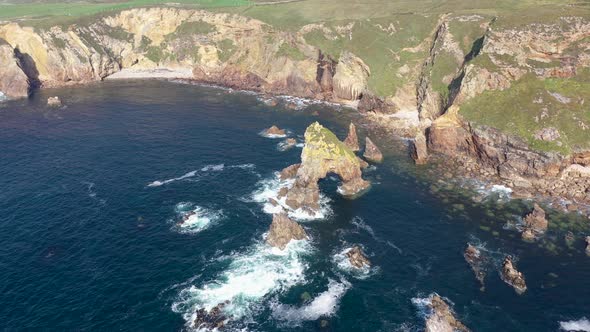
{"x": 372, "y": 152}
{"x": 350, "y": 80}
{"x": 13, "y": 81}
{"x": 283, "y": 230}
{"x": 512, "y": 276}
{"x": 418, "y": 149}
{"x": 442, "y": 318}
{"x": 352, "y": 140}
{"x": 357, "y": 257}
{"x": 535, "y": 223}
{"x": 476, "y": 261}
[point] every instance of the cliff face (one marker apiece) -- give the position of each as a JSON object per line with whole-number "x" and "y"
{"x": 13, "y": 82}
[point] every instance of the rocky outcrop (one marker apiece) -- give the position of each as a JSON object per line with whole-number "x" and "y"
{"x": 211, "y": 320}
{"x": 13, "y": 81}
{"x": 283, "y": 230}
{"x": 476, "y": 261}
{"x": 322, "y": 154}
{"x": 274, "y": 131}
{"x": 350, "y": 80}
{"x": 419, "y": 149}
{"x": 357, "y": 257}
{"x": 289, "y": 172}
{"x": 534, "y": 223}
{"x": 442, "y": 318}
{"x": 512, "y": 277}
{"x": 352, "y": 140}
{"x": 372, "y": 152}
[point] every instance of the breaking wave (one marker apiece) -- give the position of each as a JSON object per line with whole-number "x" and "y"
{"x": 247, "y": 281}
{"x": 194, "y": 219}
{"x": 343, "y": 263}
{"x": 197, "y": 173}
{"x": 582, "y": 324}
{"x": 325, "y": 304}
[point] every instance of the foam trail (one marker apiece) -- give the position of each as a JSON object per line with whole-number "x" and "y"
{"x": 247, "y": 281}
{"x": 215, "y": 168}
{"x": 204, "y": 169}
{"x": 360, "y": 223}
{"x": 582, "y": 324}
{"x": 325, "y": 304}
{"x": 158, "y": 183}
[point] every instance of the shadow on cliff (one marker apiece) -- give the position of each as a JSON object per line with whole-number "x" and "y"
{"x": 28, "y": 66}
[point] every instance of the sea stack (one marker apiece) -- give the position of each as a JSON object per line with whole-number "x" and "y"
{"x": 283, "y": 230}
{"x": 512, "y": 277}
{"x": 418, "y": 149}
{"x": 535, "y": 223}
{"x": 323, "y": 153}
{"x": 442, "y": 318}
{"x": 357, "y": 257}
{"x": 475, "y": 259}
{"x": 372, "y": 152}
{"x": 352, "y": 140}
{"x": 275, "y": 131}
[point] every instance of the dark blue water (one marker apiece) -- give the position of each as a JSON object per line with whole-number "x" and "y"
{"x": 89, "y": 240}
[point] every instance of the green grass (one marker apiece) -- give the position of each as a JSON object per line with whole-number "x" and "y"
{"x": 192, "y": 28}
{"x": 227, "y": 48}
{"x": 291, "y": 52}
{"x": 515, "y": 111}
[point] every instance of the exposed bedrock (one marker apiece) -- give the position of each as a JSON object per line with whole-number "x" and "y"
{"x": 441, "y": 317}
{"x": 372, "y": 152}
{"x": 357, "y": 257}
{"x": 350, "y": 80}
{"x": 283, "y": 230}
{"x": 13, "y": 81}
{"x": 535, "y": 223}
{"x": 419, "y": 149}
{"x": 352, "y": 140}
{"x": 477, "y": 262}
{"x": 324, "y": 154}
{"x": 512, "y": 276}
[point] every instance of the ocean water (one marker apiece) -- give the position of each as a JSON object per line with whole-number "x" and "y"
{"x": 91, "y": 195}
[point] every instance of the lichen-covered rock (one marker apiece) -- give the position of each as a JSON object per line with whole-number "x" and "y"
{"x": 418, "y": 149}
{"x": 512, "y": 276}
{"x": 322, "y": 154}
{"x": 13, "y": 81}
{"x": 372, "y": 152}
{"x": 476, "y": 261}
{"x": 441, "y": 317}
{"x": 352, "y": 140}
{"x": 351, "y": 77}
{"x": 283, "y": 230}
{"x": 357, "y": 257}
{"x": 535, "y": 223}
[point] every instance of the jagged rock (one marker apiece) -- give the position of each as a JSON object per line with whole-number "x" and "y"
{"x": 290, "y": 142}
{"x": 371, "y": 103}
{"x": 442, "y": 318}
{"x": 547, "y": 134}
{"x": 357, "y": 257}
{"x": 323, "y": 153}
{"x": 13, "y": 81}
{"x": 212, "y": 319}
{"x": 535, "y": 223}
{"x": 351, "y": 77}
{"x": 512, "y": 277}
{"x": 54, "y": 101}
{"x": 475, "y": 259}
{"x": 588, "y": 245}
{"x": 274, "y": 131}
{"x": 372, "y": 152}
{"x": 419, "y": 151}
{"x": 289, "y": 172}
{"x": 363, "y": 163}
{"x": 283, "y": 230}
{"x": 352, "y": 140}
{"x": 582, "y": 158}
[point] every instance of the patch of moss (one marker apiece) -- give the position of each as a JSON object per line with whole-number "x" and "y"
{"x": 155, "y": 53}
{"x": 191, "y": 28}
{"x": 227, "y": 48}
{"x": 291, "y": 52}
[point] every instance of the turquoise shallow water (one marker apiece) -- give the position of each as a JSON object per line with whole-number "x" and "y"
{"x": 90, "y": 196}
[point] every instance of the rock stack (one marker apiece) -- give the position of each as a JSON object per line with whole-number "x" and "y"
{"x": 283, "y": 230}
{"x": 512, "y": 277}
{"x": 418, "y": 149}
{"x": 535, "y": 223}
{"x": 372, "y": 152}
{"x": 357, "y": 257}
{"x": 475, "y": 259}
{"x": 352, "y": 140}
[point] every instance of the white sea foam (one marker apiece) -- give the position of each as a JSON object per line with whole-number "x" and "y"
{"x": 247, "y": 281}
{"x": 325, "y": 304}
{"x": 485, "y": 190}
{"x": 199, "y": 218}
{"x": 582, "y": 324}
{"x": 343, "y": 263}
{"x": 269, "y": 189}
{"x": 284, "y": 146}
{"x": 2, "y": 96}
{"x": 196, "y": 173}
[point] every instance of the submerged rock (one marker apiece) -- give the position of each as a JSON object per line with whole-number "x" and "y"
{"x": 289, "y": 143}
{"x": 322, "y": 154}
{"x": 357, "y": 257}
{"x": 274, "y": 131}
{"x": 535, "y": 223}
{"x": 475, "y": 259}
{"x": 372, "y": 152}
{"x": 512, "y": 277}
{"x": 352, "y": 140}
{"x": 418, "y": 149}
{"x": 283, "y": 230}
{"x": 442, "y": 318}
{"x": 212, "y": 319}
{"x": 54, "y": 101}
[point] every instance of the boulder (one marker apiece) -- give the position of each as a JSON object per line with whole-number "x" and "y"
{"x": 512, "y": 277}
{"x": 289, "y": 172}
{"x": 212, "y": 319}
{"x": 322, "y": 154}
{"x": 535, "y": 223}
{"x": 372, "y": 152}
{"x": 283, "y": 230}
{"x": 54, "y": 101}
{"x": 357, "y": 257}
{"x": 418, "y": 149}
{"x": 441, "y": 317}
{"x": 13, "y": 81}
{"x": 352, "y": 140}
{"x": 274, "y": 131}
{"x": 475, "y": 259}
